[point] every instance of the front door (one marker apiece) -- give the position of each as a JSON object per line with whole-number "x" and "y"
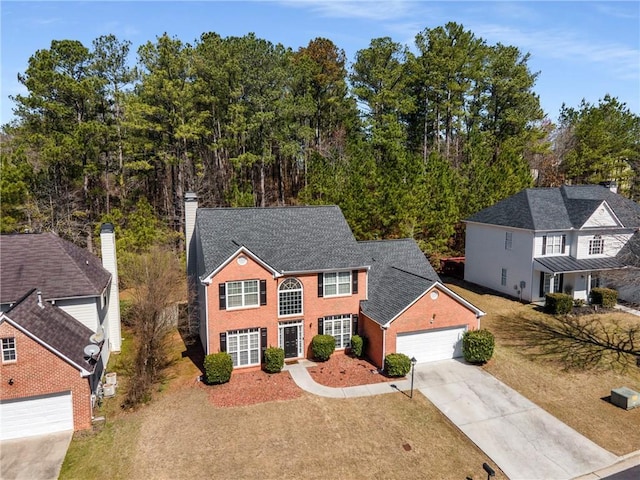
{"x": 290, "y": 335}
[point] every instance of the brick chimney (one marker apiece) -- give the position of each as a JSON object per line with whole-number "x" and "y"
{"x": 110, "y": 263}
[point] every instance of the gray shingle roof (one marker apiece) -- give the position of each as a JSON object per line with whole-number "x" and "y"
{"x": 399, "y": 275}
{"x": 289, "y": 239}
{"x": 53, "y": 327}
{"x": 58, "y": 267}
{"x": 560, "y": 208}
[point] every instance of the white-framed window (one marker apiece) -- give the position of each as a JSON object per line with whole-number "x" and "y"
{"x": 339, "y": 327}
{"x": 9, "y": 353}
{"x": 290, "y": 298}
{"x": 508, "y": 240}
{"x": 503, "y": 277}
{"x": 337, "y": 283}
{"x": 244, "y": 293}
{"x": 553, "y": 244}
{"x": 595, "y": 281}
{"x": 596, "y": 245}
{"x": 244, "y": 347}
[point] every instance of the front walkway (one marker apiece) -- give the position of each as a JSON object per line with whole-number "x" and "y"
{"x": 525, "y": 441}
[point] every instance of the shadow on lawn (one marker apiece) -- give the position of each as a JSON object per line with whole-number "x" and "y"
{"x": 193, "y": 348}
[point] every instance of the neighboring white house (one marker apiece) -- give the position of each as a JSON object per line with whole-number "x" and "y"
{"x": 543, "y": 240}
{"x": 68, "y": 277}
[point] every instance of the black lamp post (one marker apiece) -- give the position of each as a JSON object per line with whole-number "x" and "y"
{"x": 413, "y": 369}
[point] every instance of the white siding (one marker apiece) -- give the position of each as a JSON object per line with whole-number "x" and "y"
{"x": 110, "y": 263}
{"x": 486, "y": 256}
{"x": 602, "y": 217}
{"x": 612, "y": 244}
{"x": 85, "y": 310}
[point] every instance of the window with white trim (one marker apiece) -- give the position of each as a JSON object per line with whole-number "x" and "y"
{"x": 596, "y": 245}
{"x": 508, "y": 240}
{"x": 9, "y": 353}
{"x": 244, "y": 347}
{"x": 290, "y": 298}
{"x": 503, "y": 277}
{"x": 337, "y": 283}
{"x": 554, "y": 244}
{"x": 339, "y": 327}
{"x": 242, "y": 294}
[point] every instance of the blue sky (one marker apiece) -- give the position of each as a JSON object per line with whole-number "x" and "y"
{"x": 581, "y": 49}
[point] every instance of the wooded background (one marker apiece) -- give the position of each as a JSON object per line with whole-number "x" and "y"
{"x": 407, "y": 144}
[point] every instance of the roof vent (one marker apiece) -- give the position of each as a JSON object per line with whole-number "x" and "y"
{"x": 40, "y": 304}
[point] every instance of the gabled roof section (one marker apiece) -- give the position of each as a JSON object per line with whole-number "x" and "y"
{"x": 289, "y": 239}
{"x": 399, "y": 275}
{"x": 564, "y": 208}
{"x": 60, "y": 268}
{"x": 53, "y": 328}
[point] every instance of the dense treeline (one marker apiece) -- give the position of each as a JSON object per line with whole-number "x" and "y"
{"x": 406, "y": 143}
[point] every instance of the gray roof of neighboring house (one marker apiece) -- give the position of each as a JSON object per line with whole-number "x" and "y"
{"x": 58, "y": 267}
{"x": 288, "y": 239}
{"x": 399, "y": 275}
{"x": 564, "y": 208}
{"x": 53, "y": 327}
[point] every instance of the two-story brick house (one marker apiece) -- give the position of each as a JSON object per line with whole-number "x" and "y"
{"x": 542, "y": 240}
{"x": 278, "y": 276}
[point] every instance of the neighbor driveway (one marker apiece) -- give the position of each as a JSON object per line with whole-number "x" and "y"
{"x": 34, "y": 458}
{"x": 525, "y": 441}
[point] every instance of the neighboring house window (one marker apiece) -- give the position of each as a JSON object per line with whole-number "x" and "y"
{"x": 503, "y": 277}
{"x": 595, "y": 280}
{"x": 9, "y": 350}
{"x": 553, "y": 244}
{"x": 339, "y": 327}
{"x": 508, "y": 240}
{"x": 290, "y": 297}
{"x": 337, "y": 283}
{"x": 244, "y": 347}
{"x": 551, "y": 283}
{"x": 242, "y": 294}
{"x": 596, "y": 245}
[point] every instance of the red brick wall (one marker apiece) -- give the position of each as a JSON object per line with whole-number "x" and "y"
{"x": 448, "y": 313}
{"x": 37, "y": 371}
{"x": 313, "y": 307}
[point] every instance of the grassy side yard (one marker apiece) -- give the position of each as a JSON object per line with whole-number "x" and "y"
{"x": 577, "y": 397}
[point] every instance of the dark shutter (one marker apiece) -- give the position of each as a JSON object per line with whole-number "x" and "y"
{"x": 560, "y": 283}
{"x": 544, "y": 245}
{"x": 320, "y": 326}
{"x": 263, "y": 292}
{"x": 354, "y": 324}
{"x": 354, "y": 281}
{"x": 263, "y": 342}
{"x": 542, "y": 284}
{"x": 222, "y": 292}
{"x": 223, "y": 341}
{"x": 564, "y": 242}
{"x": 320, "y": 285}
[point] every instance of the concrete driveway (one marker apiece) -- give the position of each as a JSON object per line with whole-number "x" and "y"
{"x": 34, "y": 458}
{"x": 522, "y": 439}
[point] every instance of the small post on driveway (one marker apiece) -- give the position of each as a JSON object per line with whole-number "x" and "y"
{"x": 413, "y": 370}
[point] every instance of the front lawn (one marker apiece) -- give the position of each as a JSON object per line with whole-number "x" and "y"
{"x": 577, "y": 397}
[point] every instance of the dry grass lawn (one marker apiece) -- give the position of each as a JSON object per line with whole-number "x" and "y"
{"x": 577, "y": 397}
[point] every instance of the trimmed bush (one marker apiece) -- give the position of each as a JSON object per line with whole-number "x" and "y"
{"x": 558, "y": 303}
{"x": 357, "y": 345}
{"x": 218, "y": 367}
{"x": 478, "y": 345}
{"x": 606, "y": 297}
{"x": 397, "y": 364}
{"x": 322, "y": 347}
{"x": 273, "y": 359}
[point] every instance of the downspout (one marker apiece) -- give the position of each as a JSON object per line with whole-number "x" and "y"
{"x": 384, "y": 344}
{"x": 206, "y": 316}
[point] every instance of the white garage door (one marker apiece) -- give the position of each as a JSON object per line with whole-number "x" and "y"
{"x": 431, "y": 345}
{"x": 36, "y": 416}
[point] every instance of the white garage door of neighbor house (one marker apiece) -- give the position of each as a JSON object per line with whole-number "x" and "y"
{"x": 40, "y": 415}
{"x": 431, "y": 345}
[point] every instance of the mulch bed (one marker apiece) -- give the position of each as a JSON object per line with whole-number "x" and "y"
{"x": 250, "y": 388}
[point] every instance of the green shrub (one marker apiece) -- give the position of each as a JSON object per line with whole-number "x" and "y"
{"x": 558, "y": 303}
{"x": 322, "y": 347}
{"x": 606, "y": 297}
{"x": 357, "y": 345}
{"x": 273, "y": 359}
{"x": 478, "y": 345}
{"x": 397, "y": 364}
{"x": 218, "y": 367}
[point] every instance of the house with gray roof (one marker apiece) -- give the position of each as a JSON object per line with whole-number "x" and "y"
{"x": 279, "y": 276}
{"x": 568, "y": 239}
